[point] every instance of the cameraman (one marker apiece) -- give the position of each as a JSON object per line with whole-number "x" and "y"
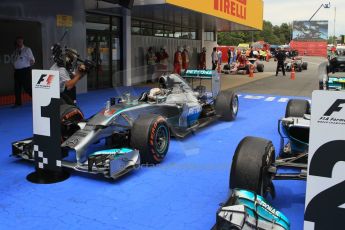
{"x": 68, "y": 77}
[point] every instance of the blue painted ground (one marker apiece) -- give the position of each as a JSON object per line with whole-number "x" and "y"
{"x": 181, "y": 193}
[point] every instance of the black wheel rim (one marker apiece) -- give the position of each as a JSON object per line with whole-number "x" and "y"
{"x": 161, "y": 139}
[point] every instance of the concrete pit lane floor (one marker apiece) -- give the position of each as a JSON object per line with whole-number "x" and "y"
{"x": 181, "y": 193}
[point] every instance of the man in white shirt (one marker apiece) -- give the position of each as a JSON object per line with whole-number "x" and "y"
{"x": 22, "y": 61}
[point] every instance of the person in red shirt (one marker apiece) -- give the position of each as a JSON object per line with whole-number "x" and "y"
{"x": 185, "y": 58}
{"x": 162, "y": 58}
{"x": 202, "y": 59}
{"x": 178, "y": 60}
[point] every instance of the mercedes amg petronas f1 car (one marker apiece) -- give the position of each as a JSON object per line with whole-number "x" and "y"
{"x": 138, "y": 131}
{"x": 254, "y": 164}
{"x": 254, "y": 167}
{"x": 247, "y": 210}
{"x": 330, "y": 81}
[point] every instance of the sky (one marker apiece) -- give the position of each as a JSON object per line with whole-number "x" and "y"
{"x": 280, "y": 11}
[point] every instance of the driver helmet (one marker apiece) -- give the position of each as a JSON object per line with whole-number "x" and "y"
{"x": 153, "y": 93}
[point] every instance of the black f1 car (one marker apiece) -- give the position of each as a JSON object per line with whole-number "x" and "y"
{"x": 138, "y": 130}
{"x": 297, "y": 63}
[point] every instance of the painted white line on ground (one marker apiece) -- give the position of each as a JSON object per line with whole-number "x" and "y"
{"x": 313, "y": 63}
{"x": 254, "y": 97}
{"x": 270, "y": 99}
{"x": 283, "y": 99}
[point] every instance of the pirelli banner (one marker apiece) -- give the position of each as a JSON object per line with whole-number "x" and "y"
{"x": 245, "y": 12}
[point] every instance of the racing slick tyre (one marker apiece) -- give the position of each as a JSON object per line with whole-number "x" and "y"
{"x": 250, "y": 164}
{"x": 226, "y": 105}
{"x": 150, "y": 134}
{"x": 297, "y": 108}
{"x": 70, "y": 116}
{"x": 305, "y": 65}
{"x": 260, "y": 67}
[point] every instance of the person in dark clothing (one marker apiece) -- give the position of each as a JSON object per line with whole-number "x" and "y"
{"x": 230, "y": 56}
{"x": 332, "y": 61}
{"x": 22, "y": 60}
{"x": 280, "y": 56}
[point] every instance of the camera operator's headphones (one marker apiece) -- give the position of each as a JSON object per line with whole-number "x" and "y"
{"x": 69, "y": 58}
{"x": 64, "y": 58}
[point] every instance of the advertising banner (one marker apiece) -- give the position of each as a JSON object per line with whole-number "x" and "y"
{"x": 310, "y": 48}
{"x": 245, "y": 12}
{"x": 310, "y": 30}
{"x": 46, "y": 119}
{"x": 325, "y": 200}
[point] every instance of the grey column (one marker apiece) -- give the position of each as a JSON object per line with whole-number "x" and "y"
{"x": 127, "y": 48}
{"x": 202, "y": 32}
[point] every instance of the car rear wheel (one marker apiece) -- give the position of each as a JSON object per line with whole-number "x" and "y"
{"x": 305, "y": 65}
{"x": 150, "y": 134}
{"x": 260, "y": 67}
{"x": 226, "y": 105}
{"x": 250, "y": 164}
{"x": 297, "y": 108}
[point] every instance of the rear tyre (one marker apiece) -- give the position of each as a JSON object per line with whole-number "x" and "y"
{"x": 150, "y": 134}
{"x": 305, "y": 65}
{"x": 226, "y": 105}
{"x": 297, "y": 108}
{"x": 260, "y": 67}
{"x": 250, "y": 164}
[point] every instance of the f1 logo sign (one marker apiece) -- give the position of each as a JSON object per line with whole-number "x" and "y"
{"x": 335, "y": 107}
{"x": 45, "y": 81}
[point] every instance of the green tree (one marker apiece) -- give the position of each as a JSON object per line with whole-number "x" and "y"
{"x": 331, "y": 39}
{"x": 271, "y": 34}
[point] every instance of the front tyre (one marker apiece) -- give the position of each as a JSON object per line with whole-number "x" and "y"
{"x": 226, "y": 105}
{"x": 150, "y": 134}
{"x": 297, "y": 108}
{"x": 250, "y": 164}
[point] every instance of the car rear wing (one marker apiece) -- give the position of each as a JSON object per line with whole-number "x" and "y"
{"x": 212, "y": 75}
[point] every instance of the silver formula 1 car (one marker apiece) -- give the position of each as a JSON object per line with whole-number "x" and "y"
{"x": 328, "y": 80}
{"x": 254, "y": 164}
{"x": 248, "y": 211}
{"x": 138, "y": 130}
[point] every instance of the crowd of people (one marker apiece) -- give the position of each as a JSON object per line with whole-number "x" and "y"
{"x": 159, "y": 61}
